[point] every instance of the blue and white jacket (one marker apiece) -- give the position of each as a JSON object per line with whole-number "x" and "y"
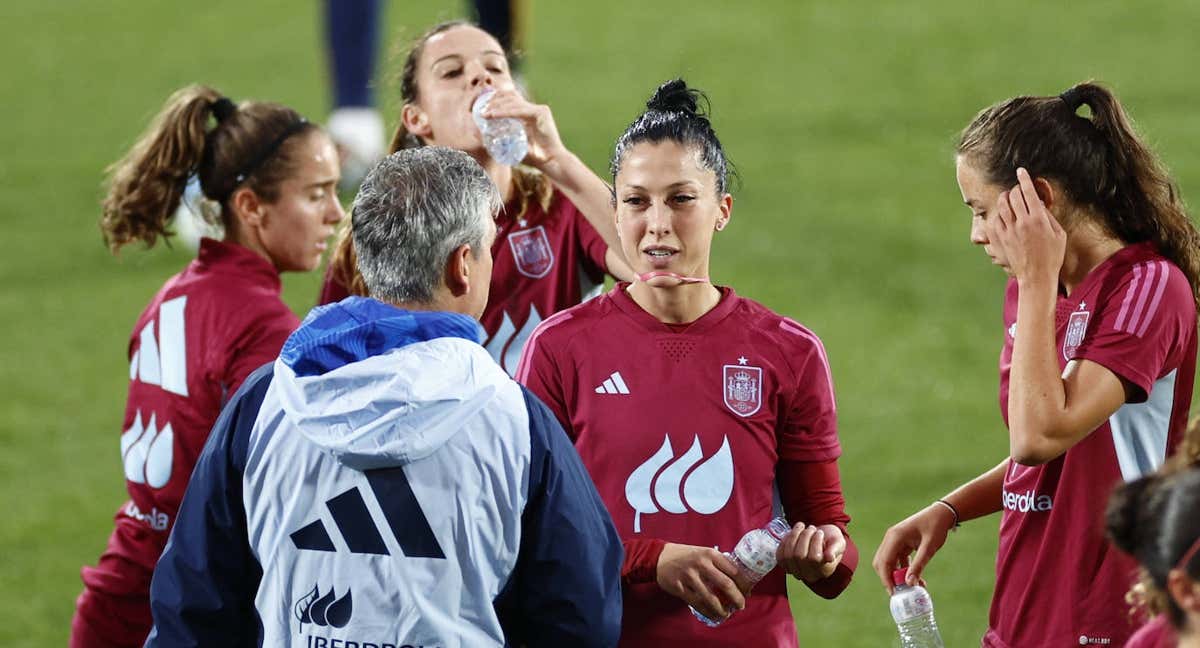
{"x": 385, "y": 484}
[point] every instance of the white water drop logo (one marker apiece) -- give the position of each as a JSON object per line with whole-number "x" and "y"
{"x": 686, "y": 483}
{"x": 507, "y": 344}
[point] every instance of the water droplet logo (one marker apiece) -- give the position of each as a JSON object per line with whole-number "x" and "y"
{"x": 324, "y": 610}
{"x": 676, "y": 485}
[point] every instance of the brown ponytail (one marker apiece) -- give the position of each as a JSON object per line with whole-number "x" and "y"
{"x": 146, "y": 185}
{"x": 1099, "y": 161}
{"x": 252, "y": 145}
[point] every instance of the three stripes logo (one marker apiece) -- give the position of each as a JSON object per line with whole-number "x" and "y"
{"x": 614, "y": 384}
{"x": 356, "y": 525}
{"x": 147, "y": 450}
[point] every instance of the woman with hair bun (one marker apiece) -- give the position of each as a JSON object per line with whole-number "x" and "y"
{"x": 1098, "y": 361}
{"x": 698, "y": 413}
{"x": 1156, "y": 519}
{"x": 270, "y": 177}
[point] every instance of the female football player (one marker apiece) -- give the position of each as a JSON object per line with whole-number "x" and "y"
{"x": 556, "y": 238}
{"x": 271, "y": 177}
{"x": 1156, "y": 519}
{"x": 692, "y": 407}
{"x": 1098, "y": 360}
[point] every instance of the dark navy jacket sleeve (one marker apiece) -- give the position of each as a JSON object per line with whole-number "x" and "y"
{"x": 203, "y": 589}
{"x": 566, "y": 588}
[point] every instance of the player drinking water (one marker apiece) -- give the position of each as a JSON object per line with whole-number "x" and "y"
{"x": 556, "y": 238}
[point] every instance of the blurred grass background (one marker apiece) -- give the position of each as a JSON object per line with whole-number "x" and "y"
{"x": 841, "y": 118}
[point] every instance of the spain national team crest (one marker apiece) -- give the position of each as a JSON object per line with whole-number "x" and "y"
{"x": 1076, "y": 329}
{"x": 743, "y": 388}
{"x": 531, "y": 250}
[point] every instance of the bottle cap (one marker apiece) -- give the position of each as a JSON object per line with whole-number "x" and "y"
{"x": 900, "y": 576}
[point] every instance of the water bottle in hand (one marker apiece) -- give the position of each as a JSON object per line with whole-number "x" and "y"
{"x": 913, "y": 611}
{"x": 505, "y": 138}
{"x": 754, "y": 556}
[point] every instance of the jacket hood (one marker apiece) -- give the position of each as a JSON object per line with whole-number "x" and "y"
{"x": 377, "y": 386}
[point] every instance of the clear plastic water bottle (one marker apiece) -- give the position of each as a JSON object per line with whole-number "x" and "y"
{"x": 754, "y": 556}
{"x": 912, "y": 609}
{"x": 504, "y": 139}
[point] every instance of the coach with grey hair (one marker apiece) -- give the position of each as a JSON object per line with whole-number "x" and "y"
{"x": 384, "y": 483}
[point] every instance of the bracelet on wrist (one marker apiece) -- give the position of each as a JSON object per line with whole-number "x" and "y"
{"x": 953, "y": 511}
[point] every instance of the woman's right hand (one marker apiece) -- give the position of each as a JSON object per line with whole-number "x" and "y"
{"x": 923, "y": 532}
{"x": 702, "y": 577}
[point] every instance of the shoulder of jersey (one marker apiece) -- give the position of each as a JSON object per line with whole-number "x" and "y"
{"x": 567, "y": 323}
{"x": 783, "y": 330}
{"x": 1151, "y": 272}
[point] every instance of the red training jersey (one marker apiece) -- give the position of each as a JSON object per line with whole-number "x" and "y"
{"x": 207, "y": 329}
{"x": 683, "y": 428}
{"x": 542, "y": 262}
{"x": 1158, "y": 633}
{"x": 1058, "y": 581}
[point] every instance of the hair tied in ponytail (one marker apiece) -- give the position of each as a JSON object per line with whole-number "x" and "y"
{"x": 1073, "y": 97}
{"x": 223, "y": 108}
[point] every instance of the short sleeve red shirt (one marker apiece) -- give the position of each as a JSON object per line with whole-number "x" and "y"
{"x": 1058, "y": 581}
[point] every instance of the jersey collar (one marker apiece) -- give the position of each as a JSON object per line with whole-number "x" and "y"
{"x": 223, "y": 257}
{"x": 705, "y": 323}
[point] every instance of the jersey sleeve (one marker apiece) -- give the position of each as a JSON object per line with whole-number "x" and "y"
{"x": 1140, "y": 324}
{"x": 538, "y": 371}
{"x": 808, "y": 430}
{"x": 204, "y": 585}
{"x": 566, "y": 588}
{"x": 811, "y": 493}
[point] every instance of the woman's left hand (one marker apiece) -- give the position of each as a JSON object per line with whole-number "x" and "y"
{"x": 1027, "y": 234}
{"x": 544, "y": 142}
{"x": 811, "y": 553}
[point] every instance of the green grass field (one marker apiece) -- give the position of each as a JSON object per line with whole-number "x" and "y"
{"x": 841, "y": 118}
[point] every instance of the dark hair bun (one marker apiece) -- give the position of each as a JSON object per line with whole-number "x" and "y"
{"x": 1132, "y": 513}
{"x": 675, "y": 96}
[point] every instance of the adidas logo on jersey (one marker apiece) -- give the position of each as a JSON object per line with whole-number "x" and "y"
{"x": 147, "y": 450}
{"x": 357, "y": 526}
{"x": 614, "y": 384}
{"x": 163, "y": 361}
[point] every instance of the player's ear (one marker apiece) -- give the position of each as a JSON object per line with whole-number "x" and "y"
{"x": 1046, "y": 192}
{"x": 726, "y": 206}
{"x": 248, "y": 209}
{"x": 415, "y": 120}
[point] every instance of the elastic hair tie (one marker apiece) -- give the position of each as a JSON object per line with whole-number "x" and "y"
{"x": 223, "y": 108}
{"x": 1073, "y": 98}
{"x": 262, "y": 156}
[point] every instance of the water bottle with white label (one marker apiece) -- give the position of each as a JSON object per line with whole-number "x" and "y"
{"x": 912, "y": 610}
{"x": 754, "y": 556}
{"x": 505, "y": 138}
